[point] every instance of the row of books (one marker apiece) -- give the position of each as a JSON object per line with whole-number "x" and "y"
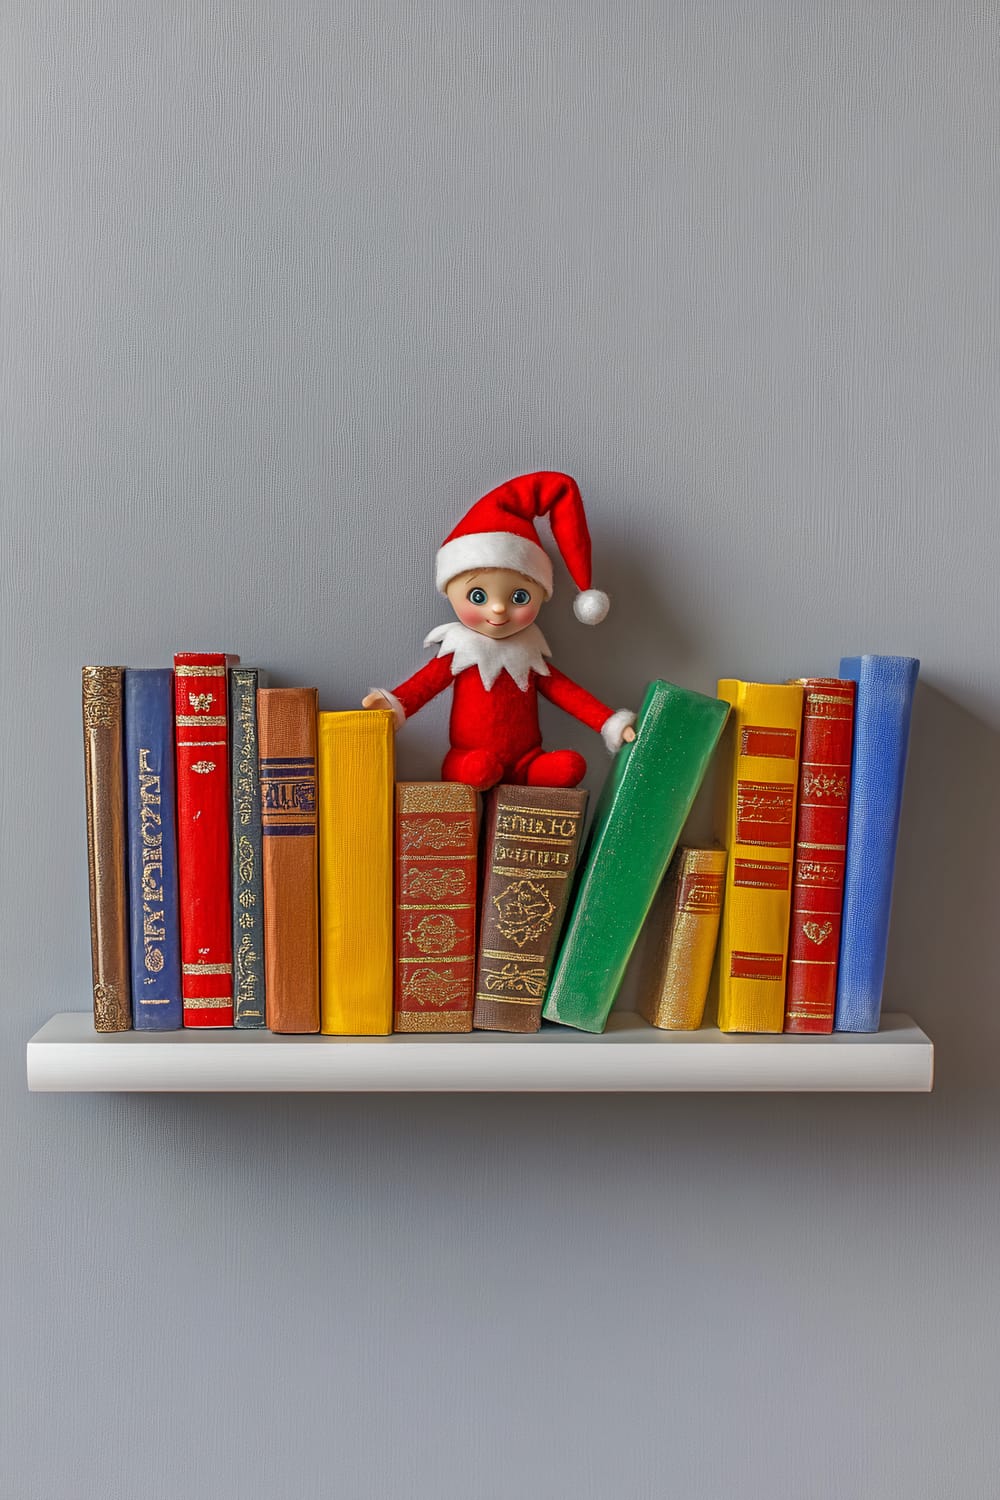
{"x": 798, "y": 900}
{"x": 254, "y": 863}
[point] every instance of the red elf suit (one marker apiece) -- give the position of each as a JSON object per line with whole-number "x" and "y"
{"x": 494, "y": 728}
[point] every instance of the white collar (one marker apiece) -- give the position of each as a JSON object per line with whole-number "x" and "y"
{"x": 517, "y": 654}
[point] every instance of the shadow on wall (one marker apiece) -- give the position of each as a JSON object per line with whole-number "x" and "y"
{"x": 942, "y": 963}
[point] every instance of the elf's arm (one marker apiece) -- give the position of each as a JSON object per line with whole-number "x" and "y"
{"x": 409, "y": 696}
{"x": 613, "y": 725}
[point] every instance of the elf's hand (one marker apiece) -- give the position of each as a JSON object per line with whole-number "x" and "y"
{"x": 377, "y": 699}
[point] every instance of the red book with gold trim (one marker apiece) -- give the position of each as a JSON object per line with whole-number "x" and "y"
{"x": 202, "y": 740}
{"x": 820, "y": 845}
{"x": 436, "y": 842}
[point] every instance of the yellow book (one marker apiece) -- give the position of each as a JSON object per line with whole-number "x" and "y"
{"x": 675, "y": 1000}
{"x": 764, "y": 728}
{"x": 356, "y": 776}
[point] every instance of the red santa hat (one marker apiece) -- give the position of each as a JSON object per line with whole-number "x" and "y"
{"x": 499, "y": 532}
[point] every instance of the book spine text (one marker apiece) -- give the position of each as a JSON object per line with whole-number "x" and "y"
{"x": 152, "y": 839}
{"x": 532, "y": 844}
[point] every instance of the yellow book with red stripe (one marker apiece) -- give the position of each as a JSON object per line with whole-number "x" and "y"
{"x": 356, "y": 777}
{"x": 764, "y": 733}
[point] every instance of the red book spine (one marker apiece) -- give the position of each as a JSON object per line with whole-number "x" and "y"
{"x": 820, "y": 843}
{"x": 202, "y": 739}
{"x": 437, "y": 824}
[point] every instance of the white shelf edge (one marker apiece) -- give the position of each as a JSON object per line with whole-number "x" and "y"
{"x": 67, "y": 1056}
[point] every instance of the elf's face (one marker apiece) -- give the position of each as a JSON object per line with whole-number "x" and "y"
{"x": 495, "y": 601}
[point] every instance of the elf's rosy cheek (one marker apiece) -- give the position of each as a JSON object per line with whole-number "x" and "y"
{"x": 468, "y": 612}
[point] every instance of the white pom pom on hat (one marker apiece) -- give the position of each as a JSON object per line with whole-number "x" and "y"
{"x": 591, "y": 606}
{"x": 499, "y": 532}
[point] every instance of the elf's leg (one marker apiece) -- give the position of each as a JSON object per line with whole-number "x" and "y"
{"x": 476, "y": 768}
{"x": 552, "y": 768}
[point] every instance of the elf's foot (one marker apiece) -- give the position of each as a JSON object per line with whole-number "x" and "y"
{"x": 556, "y": 768}
{"x": 476, "y": 768}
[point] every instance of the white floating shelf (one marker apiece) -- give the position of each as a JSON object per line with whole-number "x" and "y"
{"x": 67, "y": 1055}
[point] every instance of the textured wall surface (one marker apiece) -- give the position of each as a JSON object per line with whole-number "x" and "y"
{"x": 284, "y": 287}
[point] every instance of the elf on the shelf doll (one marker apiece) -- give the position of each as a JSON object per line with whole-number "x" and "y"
{"x": 497, "y": 577}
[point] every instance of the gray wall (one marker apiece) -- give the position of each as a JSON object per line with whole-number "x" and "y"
{"x": 285, "y": 287}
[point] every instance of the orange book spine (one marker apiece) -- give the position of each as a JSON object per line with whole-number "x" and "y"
{"x": 287, "y": 729}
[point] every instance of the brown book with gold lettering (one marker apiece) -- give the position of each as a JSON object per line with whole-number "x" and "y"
{"x": 532, "y": 843}
{"x": 437, "y": 823}
{"x": 675, "y": 1000}
{"x": 286, "y": 720}
{"x": 104, "y": 769}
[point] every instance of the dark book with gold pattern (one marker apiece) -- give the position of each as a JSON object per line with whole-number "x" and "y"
{"x": 202, "y": 739}
{"x": 532, "y": 843}
{"x": 287, "y": 725}
{"x": 104, "y": 769}
{"x": 437, "y": 824}
{"x": 247, "y": 858}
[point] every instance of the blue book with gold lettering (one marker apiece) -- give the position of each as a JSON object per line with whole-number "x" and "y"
{"x": 886, "y": 685}
{"x": 152, "y": 849}
{"x": 247, "y": 874}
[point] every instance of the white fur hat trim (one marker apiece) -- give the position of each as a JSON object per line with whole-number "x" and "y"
{"x": 492, "y": 549}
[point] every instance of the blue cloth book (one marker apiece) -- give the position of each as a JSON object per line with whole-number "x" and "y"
{"x": 247, "y": 875}
{"x": 152, "y": 849}
{"x": 878, "y": 764}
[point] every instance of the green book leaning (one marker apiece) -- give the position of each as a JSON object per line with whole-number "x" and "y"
{"x": 638, "y": 821}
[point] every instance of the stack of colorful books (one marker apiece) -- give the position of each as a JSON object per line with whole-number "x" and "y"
{"x": 253, "y": 862}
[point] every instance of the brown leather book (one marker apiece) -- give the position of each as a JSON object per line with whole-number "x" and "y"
{"x": 532, "y": 843}
{"x": 104, "y": 769}
{"x": 437, "y": 825}
{"x": 286, "y": 719}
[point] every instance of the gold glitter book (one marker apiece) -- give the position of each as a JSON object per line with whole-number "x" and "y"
{"x": 675, "y": 1000}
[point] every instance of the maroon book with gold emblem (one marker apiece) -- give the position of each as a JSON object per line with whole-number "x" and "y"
{"x": 436, "y": 837}
{"x": 202, "y": 747}
{"x": 820, "y": 845}
{"x": 532, "y": 843}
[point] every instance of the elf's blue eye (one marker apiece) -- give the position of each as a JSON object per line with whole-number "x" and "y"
{"x": 520, "y": 596}
{"x": 477, "y": 596}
